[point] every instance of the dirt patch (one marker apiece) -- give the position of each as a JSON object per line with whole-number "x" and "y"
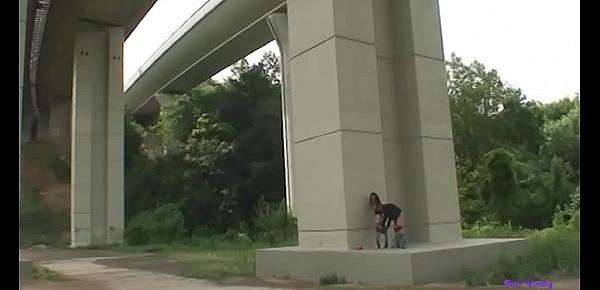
{"x": 54, "y": 254}
{"x": 57, "y": 196}
{"x": 36, "y": 175}
{"x": 155, "y": 263}
{"x": 69, "y": 284}
{"x": 172, "y": 265}
{"x": 254, "y": 281}
{"x": 34, "y": 168}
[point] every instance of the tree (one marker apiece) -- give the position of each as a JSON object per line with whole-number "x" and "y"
{"x": 556, "y": 110}
{"x": 516, "y": 159}
{"x": 485, "y": 112}
{"x": 500, "y": 187}
{"x": 223, "y": 150}
{"x": 562, "y": 138}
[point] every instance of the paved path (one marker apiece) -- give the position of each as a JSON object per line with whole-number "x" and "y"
{"x": 86, "y": 271}
{"x": 103, "y": 270}
{"x": 107, "y": 270}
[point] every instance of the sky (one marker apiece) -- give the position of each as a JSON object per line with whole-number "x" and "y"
{"x": 533, "y": 44}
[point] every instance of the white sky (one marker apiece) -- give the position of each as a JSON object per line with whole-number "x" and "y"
{"x": 534, "y": 44}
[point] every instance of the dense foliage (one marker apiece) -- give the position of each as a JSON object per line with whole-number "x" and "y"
{"x": 517, "y": 160}
{"x": 216, "y": 154}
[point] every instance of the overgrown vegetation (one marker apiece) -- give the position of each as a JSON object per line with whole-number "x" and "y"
{"x": 161, "y": 225}
{"x": 553, "y": 251}
{"x": 40, "y": 224}
{"x": 517, "y": 160}
{"x": 332, "y": 279}
{"x": 218, "y": 152}
{"x": 219, "y": 265}
{"x": 207, "y": 174}
{"x": 43, "y": 273}
{"x": 518, "y": 172}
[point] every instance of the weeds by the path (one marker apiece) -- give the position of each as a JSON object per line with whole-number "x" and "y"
{"x": 42, "y": 273}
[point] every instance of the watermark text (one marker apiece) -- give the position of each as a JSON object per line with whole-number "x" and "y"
{"x": 528, "y": 283}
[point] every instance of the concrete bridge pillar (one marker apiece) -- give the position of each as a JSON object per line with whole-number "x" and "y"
{"x": 417, "y": 130}
{"x": 97, "y": 177}
{"x": 338, "y": 142}
{"x": 278, "y": 23}
{"x": 370, "y": 113}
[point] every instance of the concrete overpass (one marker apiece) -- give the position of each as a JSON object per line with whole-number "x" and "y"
{"x": 54, "y": 70}
{"x": 366, "y": 108}
{"x": 71, "y": 73}
{"x": 201, "y": 47}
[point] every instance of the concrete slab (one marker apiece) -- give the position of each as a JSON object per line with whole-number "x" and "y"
{"x": 418, "y": 264}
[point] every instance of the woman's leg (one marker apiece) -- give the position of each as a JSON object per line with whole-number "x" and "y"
{"x": 399, "y": 230}
{"x": 380, "y": 231}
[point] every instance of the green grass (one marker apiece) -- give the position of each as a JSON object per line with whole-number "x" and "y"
{"x": 43, "y": 273}
{"x": 202, "y": 263}
{"x": 41, "y": 225}
{"x": 208, "y": 258}
{"x": 332, "y": 279}
{"x": 496, "y": 231}
{"x": 218, "y": 264}
{"x": 553, "y": 252}
{"x": 202, "y": 244}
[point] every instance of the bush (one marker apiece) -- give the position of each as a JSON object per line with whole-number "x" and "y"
{"x": 568, "y": 216}
{"x": 203, "y": 232}
{"x": 162, "y": 225}
{"x": 475, "y": 277}
{"x": 43, "y": 273}
{"x": 555, "y": 249}
{"x": 517, "y": 268}
{"x": 490, "y": 228}
{"x": 41, "y": 225}
{"x": 332, "y": 279}
{"x": 552, "y": 250}
{"x": 273, "y": 224}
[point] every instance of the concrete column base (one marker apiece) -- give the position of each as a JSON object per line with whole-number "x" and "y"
{"x": 418, "y": 264}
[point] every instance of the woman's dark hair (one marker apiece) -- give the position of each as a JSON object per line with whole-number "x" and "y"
{"x": 376, "y": 197}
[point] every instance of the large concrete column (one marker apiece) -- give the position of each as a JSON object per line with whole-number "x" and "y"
{"x": 279, "y": 27}
{"x": 371, "y": 113}
{"x": 97, "y": 201}
{"x": 338, "y": 144}
{"x": 22, "y": 32}
{"x": 418, "y": 144}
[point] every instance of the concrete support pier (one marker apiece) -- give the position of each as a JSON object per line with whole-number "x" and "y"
{"x": 97, "y": 177}
{"x": 279, "y": 27}
{"x": 25, "y": 266}
{"x": 338, "y": 144}
{"x": 370, "y": 113}
{"x": 420, "y": 264}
